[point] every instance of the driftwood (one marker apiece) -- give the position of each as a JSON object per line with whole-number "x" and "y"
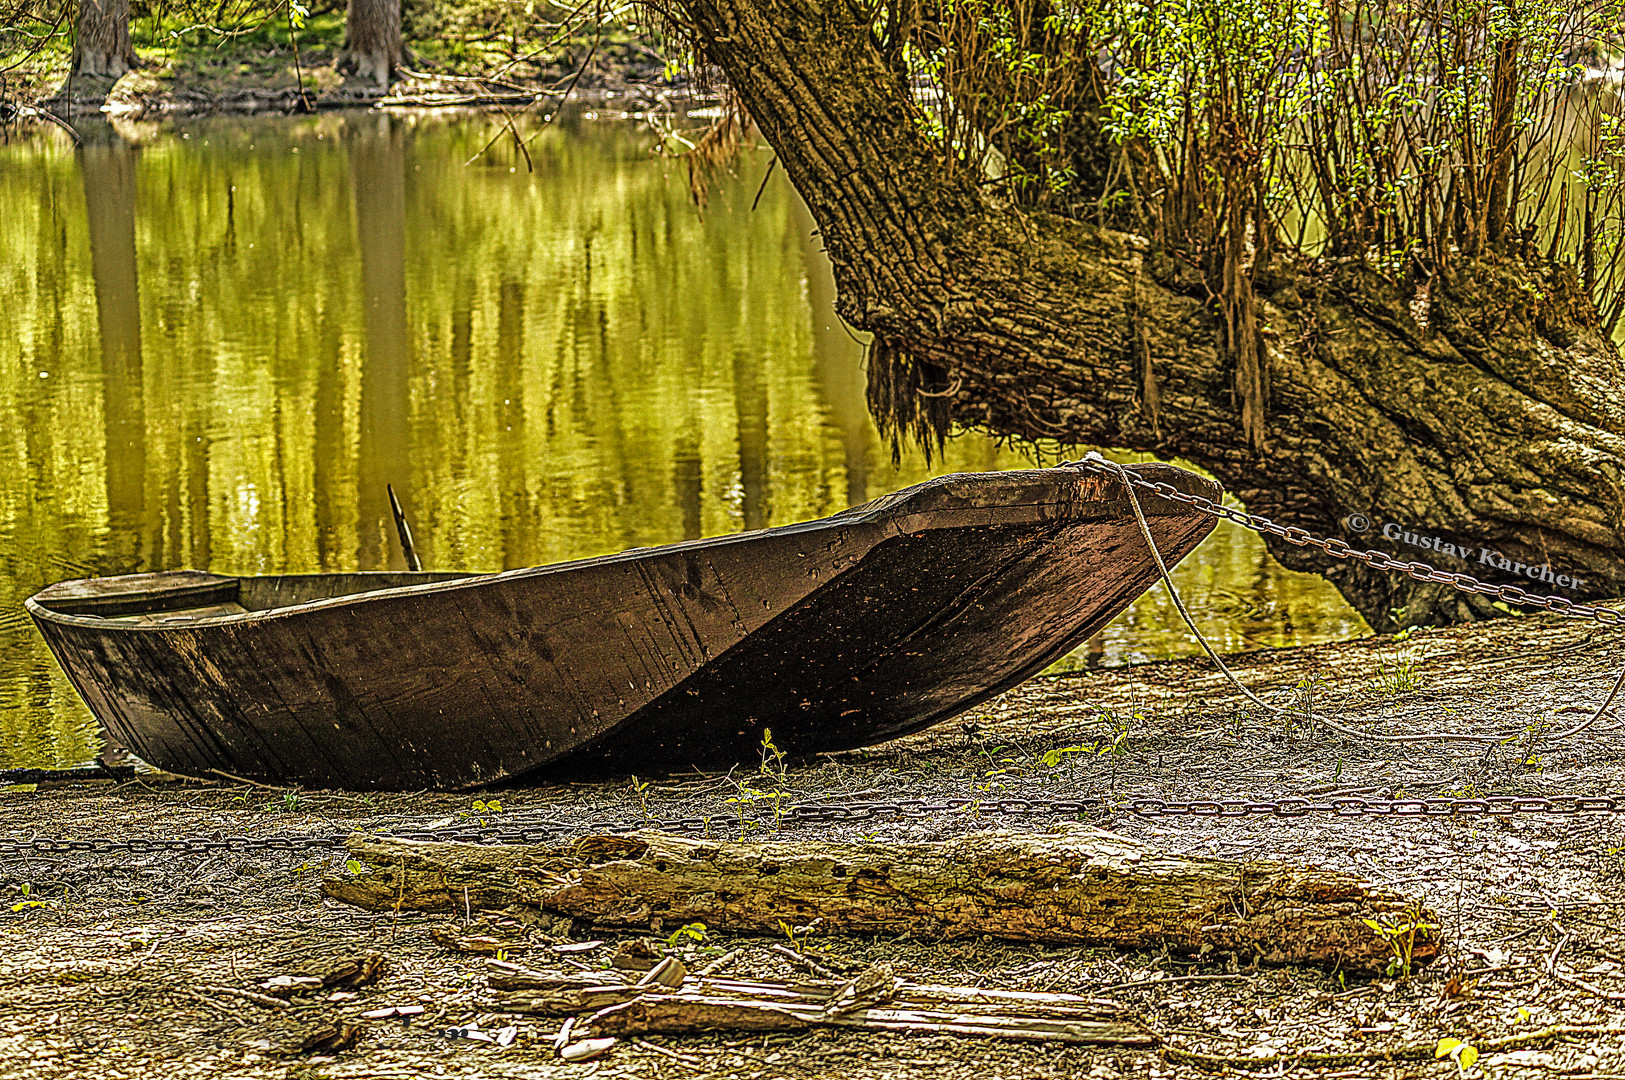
{"x": 1076, "y": 885}
{"x": 876, "y": 1000}
{"x": 759, "y": 1006}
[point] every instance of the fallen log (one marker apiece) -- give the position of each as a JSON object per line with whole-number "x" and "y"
{"x": 1073, "y": 886}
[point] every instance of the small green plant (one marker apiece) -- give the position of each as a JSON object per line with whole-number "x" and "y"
{"x": 481, "y": 807}
{"x": 772, "y": 758}
{"x": 798, "y": 935}
{"x": 640, "y": 792}
{"x": 1118, "y": 726}
{"x": 1462, "y": 1053}
{"x": 1061, "y": 755}
{"x": 688, "y": 934}
{"x": 26, "y": 903}
{"x": 288, "y": 804}
{"x": 1527, "y": 741}
{"x": 747, "y": 796}
{"x": 1302, "y": 709}
{"x": 1402, "y": 932}
{"x": 1397, "y": 675}
{"x": 1115, "y": 746}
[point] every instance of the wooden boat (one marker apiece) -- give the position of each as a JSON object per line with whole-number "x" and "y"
{"x": 850, "y": 630}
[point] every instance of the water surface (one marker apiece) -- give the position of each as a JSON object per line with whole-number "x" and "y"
{"x": 222, "y": 338}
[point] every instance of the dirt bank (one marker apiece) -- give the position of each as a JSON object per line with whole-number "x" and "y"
{"x": 120, "y": 964}
{"x": 257, "y": 79}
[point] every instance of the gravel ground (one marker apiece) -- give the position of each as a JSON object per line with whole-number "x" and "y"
{"x": 122, "y": 963}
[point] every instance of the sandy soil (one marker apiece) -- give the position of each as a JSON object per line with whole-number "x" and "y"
{"x": 124, "y": 964}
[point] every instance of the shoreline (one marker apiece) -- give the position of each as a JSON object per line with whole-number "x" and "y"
{"x": 160, "y": 89}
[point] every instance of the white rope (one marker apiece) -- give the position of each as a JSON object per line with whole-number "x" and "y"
{"x": 1095, "y": 457}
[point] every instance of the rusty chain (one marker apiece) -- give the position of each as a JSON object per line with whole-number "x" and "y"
{"x": 1288, "y": 807}
{"x": 1377, "y": 560}
{"x": 839, "y": 812}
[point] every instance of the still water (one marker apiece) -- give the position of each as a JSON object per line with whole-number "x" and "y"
{"x": 220, "y": 339}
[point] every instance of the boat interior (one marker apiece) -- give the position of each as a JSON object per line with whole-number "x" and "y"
{"x": 180, "y": 596}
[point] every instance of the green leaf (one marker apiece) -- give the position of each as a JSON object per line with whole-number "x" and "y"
{"x": 1446, "y": 1047}
{"x": 1466, "y": 1057}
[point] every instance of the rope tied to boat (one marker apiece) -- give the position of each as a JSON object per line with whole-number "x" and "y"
{"x": 1100, "y": 463}
{"x": 1340, "y": 549}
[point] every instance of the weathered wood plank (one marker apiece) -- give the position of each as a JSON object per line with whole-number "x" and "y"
{"x": 877, "y": 999}
{"x": 686, "y": 1013}
{"x": 1073, "y": 886}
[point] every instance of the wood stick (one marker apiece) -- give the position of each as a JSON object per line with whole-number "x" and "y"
{"x": 265, "y": 1001}
{"x": 686, "y": 1013}
{"x": 404, "y": 530}
{"x": 1073, "y": 886}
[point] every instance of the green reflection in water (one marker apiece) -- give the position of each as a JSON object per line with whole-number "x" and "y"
{"x": 223, "y": 338}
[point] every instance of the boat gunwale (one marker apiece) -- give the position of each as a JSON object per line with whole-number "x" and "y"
{"x": 868, "y": 513}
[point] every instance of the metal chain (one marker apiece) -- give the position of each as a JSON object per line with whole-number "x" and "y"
{"x": 1289, "y": 807}
{"x": 839, "y": 812}
{"x": 1377, "y": 560}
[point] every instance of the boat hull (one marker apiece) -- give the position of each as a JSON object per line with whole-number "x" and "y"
{"x": 836, "y": 633}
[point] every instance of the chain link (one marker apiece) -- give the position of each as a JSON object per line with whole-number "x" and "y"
{"x": 1377, "y": 560}
{"x": 843, "y": 812}
{"x": 908, "y": 809}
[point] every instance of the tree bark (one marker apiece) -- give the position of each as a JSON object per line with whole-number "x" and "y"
{"x": 102, "y": 39}
{"x": 1076, "y": 886}
{"x": 373, "y": 48}
{"x": 1495, "y": 424}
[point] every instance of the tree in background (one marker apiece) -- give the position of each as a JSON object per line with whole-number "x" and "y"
{"x": 101, "y": 43}
{"x": 1349, "y": 255}
{"x": 373, "y": 46}
{"x": 98, "y": 29}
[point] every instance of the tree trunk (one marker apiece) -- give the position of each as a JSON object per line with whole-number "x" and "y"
{"x": 102, "y": 39}
{"x": 1495, "y": 425}
{"x": 1075, "y": 886}
{"x": 373, "y": 48}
